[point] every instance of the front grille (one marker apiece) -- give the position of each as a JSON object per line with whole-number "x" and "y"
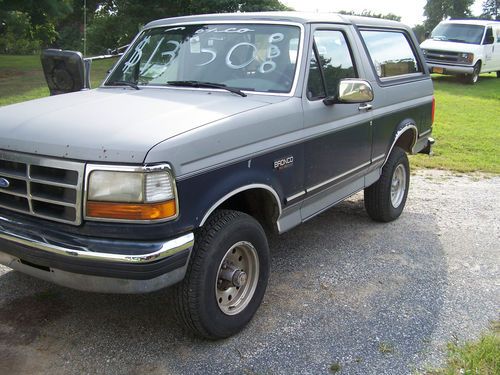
{"x": 42, "y": 187}
{"x": 441, "y": 56}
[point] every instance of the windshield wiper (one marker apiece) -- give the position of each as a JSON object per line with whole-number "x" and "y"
{"x": 208, "y": 85}
{"x": 124, "y": 83}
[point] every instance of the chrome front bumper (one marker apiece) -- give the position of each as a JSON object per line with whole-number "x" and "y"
{"x": 94, "y": 264}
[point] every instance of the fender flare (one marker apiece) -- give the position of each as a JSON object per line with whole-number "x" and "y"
{"x": 402, "y": 128}
{"x": 237, "y": 191}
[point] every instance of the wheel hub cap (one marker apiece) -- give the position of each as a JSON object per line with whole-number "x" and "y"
{"x": 237, "y": 278}
{"x": 398, "y": 186}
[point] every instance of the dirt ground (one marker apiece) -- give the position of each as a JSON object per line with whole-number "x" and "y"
{"x": 366, "y": 297}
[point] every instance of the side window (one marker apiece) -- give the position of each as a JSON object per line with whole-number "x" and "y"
{"x": 391, "y": 53}
{"x": 331, "y": 62}
{"x": 488, "y": 37}
{"x": 315, "y": 86}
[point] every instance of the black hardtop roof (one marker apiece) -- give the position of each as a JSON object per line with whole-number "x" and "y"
{"x": 295, "y": 17}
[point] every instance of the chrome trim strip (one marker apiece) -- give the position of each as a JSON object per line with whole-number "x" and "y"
{"x": 315, "y": 187}
{"x": 295, "y": 196}
{"x": 168, "y": 248}
{"x": 239, "y": 190}
{"x": 124, "y": 168}
{"x": 378, "y": 158}
{"x": 222, "y": 22}
{"x": 424, "y": 133}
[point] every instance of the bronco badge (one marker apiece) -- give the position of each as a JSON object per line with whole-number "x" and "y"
{"x": 283, "y": 163}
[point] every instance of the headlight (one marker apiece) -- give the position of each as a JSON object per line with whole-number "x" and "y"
{"x": 467, "y": 58}
{"x": 139, "y": 194}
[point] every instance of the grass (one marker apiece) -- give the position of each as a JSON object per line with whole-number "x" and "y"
{"x": 21, "y": 78}
{"x": 479, "y": 357}
{"x": 467, "y": 126}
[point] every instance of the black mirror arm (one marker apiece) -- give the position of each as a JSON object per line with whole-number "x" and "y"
{"x": 330, "y": 100}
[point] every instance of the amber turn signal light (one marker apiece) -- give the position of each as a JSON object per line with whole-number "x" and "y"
{"x": 132, "y": 211}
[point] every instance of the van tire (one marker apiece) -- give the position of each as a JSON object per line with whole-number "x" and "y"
{"x": 498, "y": 74}
{"x": 385, "y": 199}
{"x": 210, "y": 302}
{"x": 474, "y": 76}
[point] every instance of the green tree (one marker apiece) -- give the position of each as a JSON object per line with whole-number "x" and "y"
{"x": 38, "y": 20}
{"x": 437, "y": 10}
{"x": 419, "y": 31}
{"x": 116, "y": 22}
{"x": 491, "y": 10}
{"x": 369, "y": 13}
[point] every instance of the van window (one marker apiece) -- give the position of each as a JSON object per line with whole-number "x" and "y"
{"x": 391, "y": 53}
{"x": 488, "y": 37}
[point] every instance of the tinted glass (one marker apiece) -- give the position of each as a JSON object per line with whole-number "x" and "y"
{"x": 335, "y": 58}
{"x": 488, "y": 37}
{"x": 335, "y": 61}
{"x": 315, "y": 87}
{"x": 254, "y": 57}
{"x": 390, "y": 52}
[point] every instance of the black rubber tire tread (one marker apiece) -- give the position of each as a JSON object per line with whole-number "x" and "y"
{"x": 498, "y": 74}
{"x": 378, "y": 196}
{"x": 186, "y": 301}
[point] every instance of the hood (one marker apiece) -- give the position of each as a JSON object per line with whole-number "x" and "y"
{"x": 113, "y": 124}
{"x": 442, "y": 45}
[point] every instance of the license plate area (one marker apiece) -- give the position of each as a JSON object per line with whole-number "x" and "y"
{"x": 438, "y": 70}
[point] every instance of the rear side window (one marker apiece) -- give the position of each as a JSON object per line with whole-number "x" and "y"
{"x": 391, "y": 53}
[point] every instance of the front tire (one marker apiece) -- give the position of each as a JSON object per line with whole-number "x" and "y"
{"x": 385, "y": 199}
{"x": 226, "y": 277}
{"x": 474, "y": 77}
{"x": 498, "y": 74}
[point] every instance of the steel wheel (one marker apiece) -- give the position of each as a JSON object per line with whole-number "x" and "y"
{"x": 398, "y": 186}
{"x": 237, "y": 278}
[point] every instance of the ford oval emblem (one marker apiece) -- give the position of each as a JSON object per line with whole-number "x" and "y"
{"x": 4, "y": 183}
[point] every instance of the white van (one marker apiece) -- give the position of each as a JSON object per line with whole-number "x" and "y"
{"x": 464, "y": 47}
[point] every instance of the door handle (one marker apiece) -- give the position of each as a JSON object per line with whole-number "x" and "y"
{"x": 365, "y": 107}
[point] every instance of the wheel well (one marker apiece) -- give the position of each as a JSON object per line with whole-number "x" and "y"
{"x": 258, "y": 203}
{"x": 407, "y": 140}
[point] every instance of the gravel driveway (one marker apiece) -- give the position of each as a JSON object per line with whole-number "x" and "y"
{"x": 372, "y": 298}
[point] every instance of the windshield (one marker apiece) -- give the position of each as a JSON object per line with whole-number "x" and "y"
{"x": 253, "y": 57}
{"x": 459, "y": 33}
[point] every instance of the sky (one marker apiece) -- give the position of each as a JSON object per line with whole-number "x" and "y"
{"x": 411, "y": 12}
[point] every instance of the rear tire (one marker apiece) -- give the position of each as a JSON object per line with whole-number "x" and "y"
{"x": 385, "y": 199}
{"x": 498, "y": 74}
{"x": 226, "y": 277}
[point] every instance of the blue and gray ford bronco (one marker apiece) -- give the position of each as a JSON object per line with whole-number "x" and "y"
{"x": 209, "y": 132}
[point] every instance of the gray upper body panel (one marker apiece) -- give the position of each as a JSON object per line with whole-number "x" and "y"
{"x": 115, "y": 124}
{"x": 295, "y": 17}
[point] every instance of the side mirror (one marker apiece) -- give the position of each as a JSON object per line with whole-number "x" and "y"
{"x": 351, "y": 91}
{"x": 64, "y": 70}
{"x": 427, "y": 34}
{"x": 355, "y": 91}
